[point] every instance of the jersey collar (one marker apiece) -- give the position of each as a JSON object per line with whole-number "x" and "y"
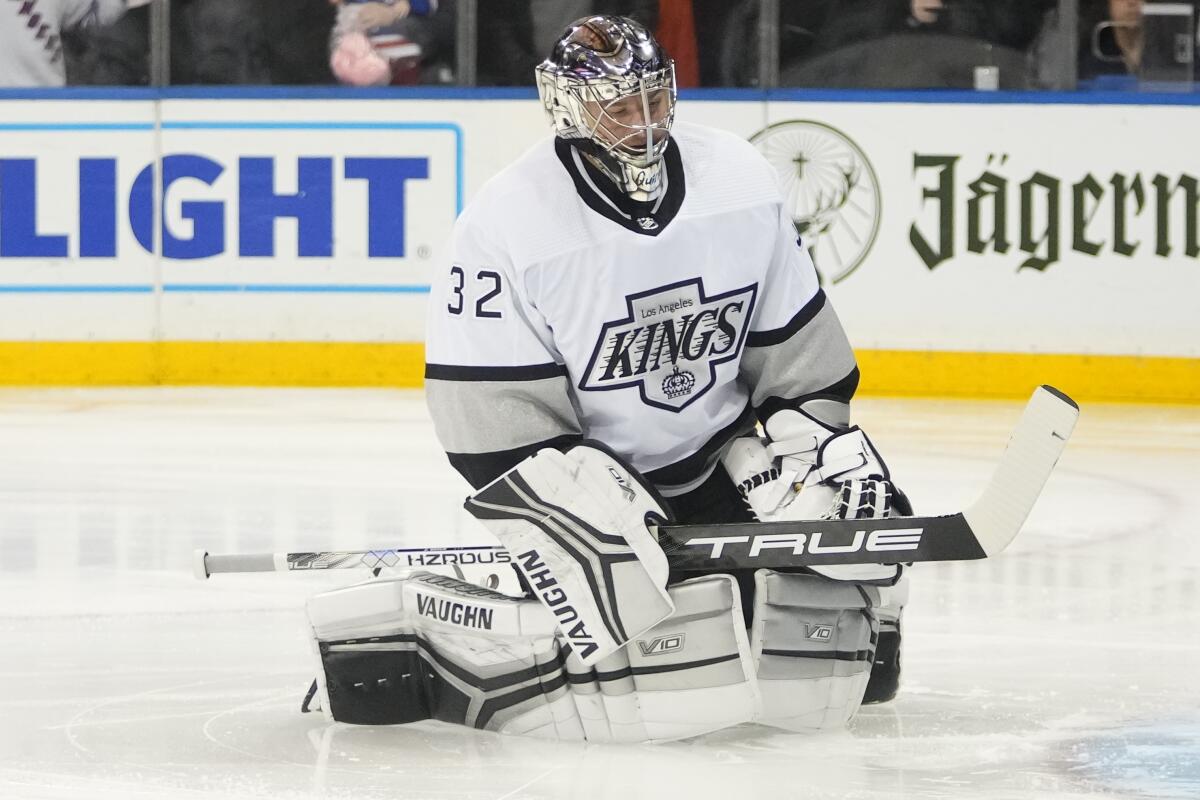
{"x": 603, "y": 196}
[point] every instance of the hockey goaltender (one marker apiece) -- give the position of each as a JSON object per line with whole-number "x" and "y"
{"x": 623, "y": 307}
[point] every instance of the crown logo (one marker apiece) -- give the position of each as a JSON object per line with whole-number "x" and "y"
{"x": 678, "y": 383}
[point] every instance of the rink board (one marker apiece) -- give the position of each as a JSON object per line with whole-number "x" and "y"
{"x": 971, "y": 249}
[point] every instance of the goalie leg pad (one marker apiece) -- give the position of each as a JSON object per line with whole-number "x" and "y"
{"x": 691, "y": 674}
{"x": 813, "y": 641}
{"x": 885, "y": 673}
{"x": 577, "y": 525}
{"x": 426, "y": 646}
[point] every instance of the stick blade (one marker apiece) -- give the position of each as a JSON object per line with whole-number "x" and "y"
{"x": 1037, "y": 442}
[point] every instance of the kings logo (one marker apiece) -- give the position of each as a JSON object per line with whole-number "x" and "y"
{"x": 670, "y": 343}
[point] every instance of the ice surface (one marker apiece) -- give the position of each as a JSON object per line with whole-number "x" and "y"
{"x": 1068, "y": 667}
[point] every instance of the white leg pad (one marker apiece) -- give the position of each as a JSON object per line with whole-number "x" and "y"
{"x": 690, "y": 674}
{"x": 425, "y": 646}
{"x": 813, "y": 644}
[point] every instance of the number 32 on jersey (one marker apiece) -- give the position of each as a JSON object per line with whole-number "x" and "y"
{"x": 474, "y": 294}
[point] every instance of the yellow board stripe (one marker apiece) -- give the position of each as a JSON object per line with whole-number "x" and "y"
{"x": 1142, "y": 379}
{"x": 401, "y": 364}
{"x": 397, "y": 364}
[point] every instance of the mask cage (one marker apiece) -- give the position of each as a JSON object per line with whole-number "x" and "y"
{"x": 567, "y": 99}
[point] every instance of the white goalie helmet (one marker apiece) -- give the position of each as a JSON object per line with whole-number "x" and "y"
{"x": 610, "y": 86}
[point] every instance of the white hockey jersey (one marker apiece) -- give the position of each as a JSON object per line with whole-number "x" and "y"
{"x": 661, "y": 330}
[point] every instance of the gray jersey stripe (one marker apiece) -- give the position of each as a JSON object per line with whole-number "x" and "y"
{"x": 491, "y": 416}
{"x": 480, "y": 469}
{"x": 815, "y": 356}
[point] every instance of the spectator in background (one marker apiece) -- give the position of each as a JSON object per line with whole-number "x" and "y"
{"x": 212, "y": 42}
{"x": 831, "y": 24}
{"x": 31, "y": 51}
{"x": 1011, "y": 23}
{"x": 1111, "y": 37}
{"x": 910, "y": 43}
{"x": 297, "y": 38}
{"x": 378, "y": 42}
{"x": 117, "y": 54}
{"x": 224, "y": 42}
{"x": 505, "y": 55}
{"x": 712, "y": 19}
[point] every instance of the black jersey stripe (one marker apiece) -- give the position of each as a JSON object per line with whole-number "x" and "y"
{"x": 528, "y": 372}
{"x": 780, "y": 335}
{"x": 480, "y": 469}
{"x": 842, "y": 392}
{"x": 692, "y": 467}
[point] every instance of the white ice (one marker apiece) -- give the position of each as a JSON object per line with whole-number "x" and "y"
{"x": 1067, "y": 667}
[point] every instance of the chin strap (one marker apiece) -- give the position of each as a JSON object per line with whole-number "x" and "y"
{"x": 644, "y": 184}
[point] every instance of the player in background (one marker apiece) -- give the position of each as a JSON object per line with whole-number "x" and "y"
{"x": 624, "y": 305}
{"x": 31, "y": 51}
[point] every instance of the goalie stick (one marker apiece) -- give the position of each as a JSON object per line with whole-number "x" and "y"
{"x": 983, "y": 529}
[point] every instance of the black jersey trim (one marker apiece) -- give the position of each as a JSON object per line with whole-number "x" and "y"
{"x": 530, "y": 372}
{"x": 690, "y": 468}
{"x": 780, "y": 335}
{"x": 628, "y": 211}
{"x": 480, "y": 469}
{"x": 841, "y": 392}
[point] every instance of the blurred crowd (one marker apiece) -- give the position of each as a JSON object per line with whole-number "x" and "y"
{"x": 822, "y": 43}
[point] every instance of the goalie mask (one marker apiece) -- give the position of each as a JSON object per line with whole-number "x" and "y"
{"x": 609, "y": 87}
